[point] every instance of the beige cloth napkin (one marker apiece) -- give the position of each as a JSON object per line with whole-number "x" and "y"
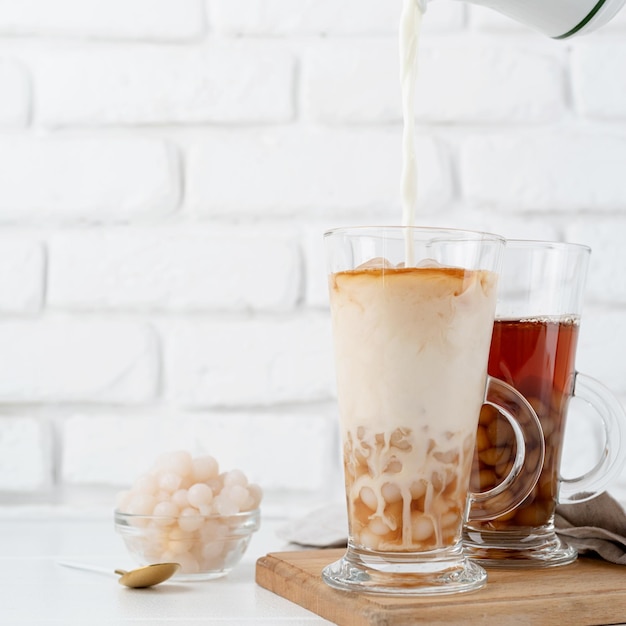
{"x": 597, "y": 526}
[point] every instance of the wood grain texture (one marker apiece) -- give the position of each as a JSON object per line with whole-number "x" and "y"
{"x": 587, "y": 593}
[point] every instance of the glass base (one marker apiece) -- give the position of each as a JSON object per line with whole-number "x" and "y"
{"x": 514, "y": 550}
{"x": 407, "y": 574}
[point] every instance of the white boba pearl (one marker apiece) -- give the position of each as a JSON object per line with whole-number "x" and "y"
{"x": 255, "y": 495}
{"x": 190, "y": 519}
{"x": 368, "y": 497}
{"x": 170, "y": 481}
{"x": 180, "y": 498}
{"x": 225, "y": 506}
{"x": 237, "y": 494}
{"x": 146, "y": 483}
{"x": 199, "y": 495}
{"x": 391, "y": 492}
{"x": 205, "y": 467}
{"x": 166, "y": 509}
{"x": 421, "y": 526}
{"x": 141, "y": 504}
{"x": 378, "y": 527}
{"x": 179, "y": 462}
{"x": 235, "y": 477}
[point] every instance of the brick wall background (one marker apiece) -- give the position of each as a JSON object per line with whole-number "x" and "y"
{"x": 167, "y": 169}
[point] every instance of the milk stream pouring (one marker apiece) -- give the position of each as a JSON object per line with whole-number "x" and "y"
{"x": 556, "y": 18}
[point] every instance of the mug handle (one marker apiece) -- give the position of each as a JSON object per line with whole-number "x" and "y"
{"x": 611, "y": 413}
{"x": 524, "y": 473}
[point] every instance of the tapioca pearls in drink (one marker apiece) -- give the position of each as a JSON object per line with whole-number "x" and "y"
{"x": 536, "y": 356}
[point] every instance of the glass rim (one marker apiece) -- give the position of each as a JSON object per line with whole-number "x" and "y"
{"x": 462, "y": 234}
{"x": 544, "y": 244}
{"x": 241, "y": 515}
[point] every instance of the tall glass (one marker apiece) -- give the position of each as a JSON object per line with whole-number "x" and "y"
{"x": 412, "y": 314}
{"x": 533, "y": 349}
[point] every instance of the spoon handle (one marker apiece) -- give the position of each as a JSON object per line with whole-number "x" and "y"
{"x": 87, "y": 567}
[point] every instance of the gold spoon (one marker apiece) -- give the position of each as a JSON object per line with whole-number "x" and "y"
{"x": 139, "y": 578}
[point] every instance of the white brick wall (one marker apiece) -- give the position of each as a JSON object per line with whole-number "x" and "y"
{"x": 168, "y": 167}
{"x": 117, "y": 19}
{"x": 132, "y": 84}
{"x": 86, "y": 178}
{"x": 15, "y": 88}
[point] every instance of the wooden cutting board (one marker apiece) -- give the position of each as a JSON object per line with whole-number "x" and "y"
{"x": 588, "y": 592}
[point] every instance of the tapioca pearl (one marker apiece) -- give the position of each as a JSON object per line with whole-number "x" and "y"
{"x": 421, "y": 526}
{"x": 205, "y": 509}
{"x": 146, "y": 483}
{"x": 451, "y": 519}
{"x": 166, "y": 509}
{"x": 500, "y": 432}
{"x": 438, "y": 480}
{"x": 391, "y": 492}
{"x": 538, "y": 405}
{"x": 225, "y": 506}
{"x": 504, "y": 467}
{"x": 179, "y": 540}
{"x": 418, "y": 489}
{"x": 156, "y": 539}
{"x": 190, "y": 519}
{"x": 200, "y": 494}
{"x": 204, "y": 468}
{"x": 212, "y": 550}
{"x": 483, "y": 479}
{"x": 216, "y": 484}
{"x": 179, "y": 462}
{"x": 368, "y": 539}
{"x": 170, "y": 481}
{"x": 368, "y": 497}
{"x": 394, "y": 513}
{"x": 237, "y": 494}
{"x": 255, "y": 495}
{"x": 211, "y": 529}
{"x": 180, "y": 498}
{"x": 492, "y": 456}
{"x": 482, "y": 439}
{"x": 141, "y": 504}
{"x": 487, "y": 414}
{"x": 234, "y": 477}
{"x": 378, "y": 526}
{"x": 163, "y": 496}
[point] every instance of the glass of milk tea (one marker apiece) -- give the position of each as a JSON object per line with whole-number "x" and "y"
{"x": 412, "y": 316}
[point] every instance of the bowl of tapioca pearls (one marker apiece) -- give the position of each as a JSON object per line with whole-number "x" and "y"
{"x": 185, "y": 510}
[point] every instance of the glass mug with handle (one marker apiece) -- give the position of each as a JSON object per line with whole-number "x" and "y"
{"x": 412, "y": 314}
{"x": 533, "y": 349}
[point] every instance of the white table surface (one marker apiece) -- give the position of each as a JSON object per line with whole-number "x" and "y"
{"x": 35, "y": 589}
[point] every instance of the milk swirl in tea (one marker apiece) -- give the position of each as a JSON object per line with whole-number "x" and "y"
{"x": 408, "y": 441}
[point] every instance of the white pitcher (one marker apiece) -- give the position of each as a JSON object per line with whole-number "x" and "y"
{"x": 556, "y": 18}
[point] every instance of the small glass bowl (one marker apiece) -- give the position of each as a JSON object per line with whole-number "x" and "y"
{"x": 205, "y": 546}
